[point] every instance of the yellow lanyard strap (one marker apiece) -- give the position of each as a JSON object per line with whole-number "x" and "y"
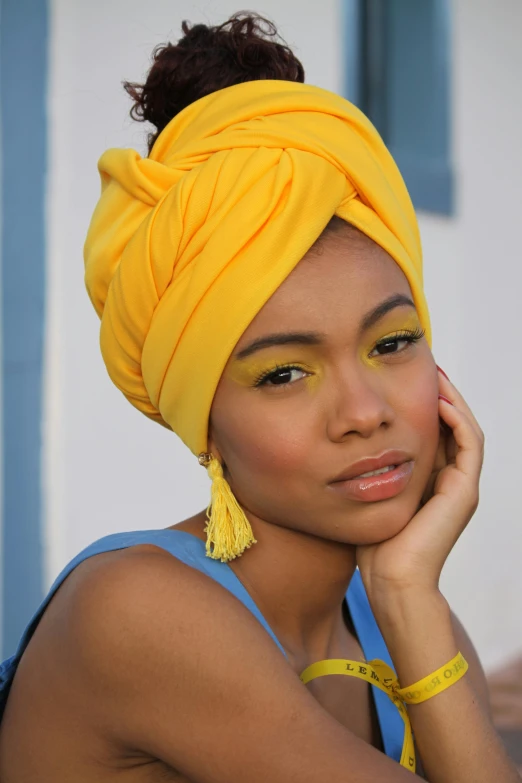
{"x": 382, "y": 676}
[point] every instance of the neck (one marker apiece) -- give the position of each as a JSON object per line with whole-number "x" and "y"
{"x": 299, "y": 581}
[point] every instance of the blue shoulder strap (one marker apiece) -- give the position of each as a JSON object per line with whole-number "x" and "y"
{"x": 184, "y": 546}
{"x": 191, "y": 551}
{"x": 374, "y": 646}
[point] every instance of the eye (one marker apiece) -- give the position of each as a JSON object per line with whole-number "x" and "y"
{"x": 281, "y": 376}
{"x": 397, "y": 343}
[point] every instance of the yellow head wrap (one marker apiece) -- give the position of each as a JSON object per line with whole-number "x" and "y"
{"x": 187, "y": 245}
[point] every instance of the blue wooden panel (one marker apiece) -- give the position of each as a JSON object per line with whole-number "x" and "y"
{"x": 418, "y": 98}
{"x": 352, "y": 23}
{"x": 23, "y": 81}
{"x": 399, "y": 75}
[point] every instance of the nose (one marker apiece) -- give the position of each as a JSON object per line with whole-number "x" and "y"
{"x": 359, "y": 406}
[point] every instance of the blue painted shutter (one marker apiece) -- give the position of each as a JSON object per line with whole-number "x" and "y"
{"x": 401, "y": 66}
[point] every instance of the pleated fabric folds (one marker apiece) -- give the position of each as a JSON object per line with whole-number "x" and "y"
{"x": 186, "y": 246}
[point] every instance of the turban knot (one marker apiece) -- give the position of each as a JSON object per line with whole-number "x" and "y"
{"x": 186, "y": 246}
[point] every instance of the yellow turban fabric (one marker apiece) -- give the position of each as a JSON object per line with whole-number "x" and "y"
{"x": 187, "y": 245}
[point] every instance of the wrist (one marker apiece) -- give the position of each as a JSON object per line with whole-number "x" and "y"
{"x": 412, "y": 618}
{"x": 418, "y": 631}
{"x": 408, "y": 607}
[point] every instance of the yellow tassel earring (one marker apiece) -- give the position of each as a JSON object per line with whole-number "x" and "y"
{"x": 228, "y": 530}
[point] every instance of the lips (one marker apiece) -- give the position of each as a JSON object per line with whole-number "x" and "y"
{"x": 390, "y": 474}
{"x": 372, "y": 489}
{"x": 393, "y": 458}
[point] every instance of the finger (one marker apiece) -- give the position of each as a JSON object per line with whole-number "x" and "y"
{"x": 449, "y": 390}
{"x": 450, "y": 443}
{"x": 470, "y": 445}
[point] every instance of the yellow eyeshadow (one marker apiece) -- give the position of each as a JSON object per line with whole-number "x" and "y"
{"x": 394, "y": 322}
{"x": 389, "y": 326}
{"x": 247, "y": 371}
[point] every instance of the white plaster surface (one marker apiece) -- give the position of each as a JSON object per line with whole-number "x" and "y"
{"x": 107, "y": 468}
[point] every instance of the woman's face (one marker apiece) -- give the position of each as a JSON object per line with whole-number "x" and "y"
{"x": 356, "y": 380}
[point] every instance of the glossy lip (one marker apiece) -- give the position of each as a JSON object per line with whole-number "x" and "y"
{"x": 393, "y": 457}
{"x": 375, "y": 488}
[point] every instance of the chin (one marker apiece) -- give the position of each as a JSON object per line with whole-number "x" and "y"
{"x": 384, "y": 523}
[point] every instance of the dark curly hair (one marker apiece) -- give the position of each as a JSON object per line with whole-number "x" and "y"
{"x": 245, "y": 48}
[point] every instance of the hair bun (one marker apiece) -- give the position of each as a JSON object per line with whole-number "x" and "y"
{"x": 196, "y": 36}
{"x": 246, "y": 47}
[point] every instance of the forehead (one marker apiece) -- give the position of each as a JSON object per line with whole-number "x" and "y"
{"x": 332, "y": 288}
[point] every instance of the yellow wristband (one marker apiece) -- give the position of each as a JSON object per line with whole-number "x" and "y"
{"x": 376, "y": 673}
{"x": 436, "y": 682}
{"x": 380, "y": 675}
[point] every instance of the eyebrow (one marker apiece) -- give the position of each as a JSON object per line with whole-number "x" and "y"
{"x": 316, "y": 338}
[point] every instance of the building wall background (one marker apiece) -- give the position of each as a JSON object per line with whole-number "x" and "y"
{"x": 23, "y": 160}
{"x": 105, "y": 467}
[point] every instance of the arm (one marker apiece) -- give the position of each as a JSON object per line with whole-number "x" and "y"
{"x": 453, "y": 730}
{"x": 476, "y": 673}
{"x": 167, "y": 663}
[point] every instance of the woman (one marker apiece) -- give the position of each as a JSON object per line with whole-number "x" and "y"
{"x": 260, "y": 286}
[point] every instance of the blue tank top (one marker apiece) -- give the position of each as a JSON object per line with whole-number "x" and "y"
{"x": 191, "y": 551}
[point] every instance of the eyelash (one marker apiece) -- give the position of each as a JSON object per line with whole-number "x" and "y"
{"x": 405, "y": 334}
{"x": 263, "y": 378}
{"x": 408, "y": 336}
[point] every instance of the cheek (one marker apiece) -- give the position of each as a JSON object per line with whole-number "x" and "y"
{"x": 419, "y": 408}
{"x": 263, "y": 440}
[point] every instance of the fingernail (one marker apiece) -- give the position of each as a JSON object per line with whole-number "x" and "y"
{"x": 442, "y": 397}
{"x": 442, "y": 371}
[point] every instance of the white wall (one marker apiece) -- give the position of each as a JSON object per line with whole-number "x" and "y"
{"x": 474, "y": 281}
{"x": 107, "y": 468}
{"x": 1, "y": 406}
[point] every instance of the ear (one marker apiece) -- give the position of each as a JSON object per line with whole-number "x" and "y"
{"x": 212, "y": 446}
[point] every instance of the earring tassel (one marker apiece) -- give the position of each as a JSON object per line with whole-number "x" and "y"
{"x": 228, "y": 530}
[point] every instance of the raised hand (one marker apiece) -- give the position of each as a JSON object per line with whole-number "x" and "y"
{"x": 414, "y": 557}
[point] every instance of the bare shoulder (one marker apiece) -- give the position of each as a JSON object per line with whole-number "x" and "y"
{"x": 160, "y": 657}
{"x": 119, "y": 605}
